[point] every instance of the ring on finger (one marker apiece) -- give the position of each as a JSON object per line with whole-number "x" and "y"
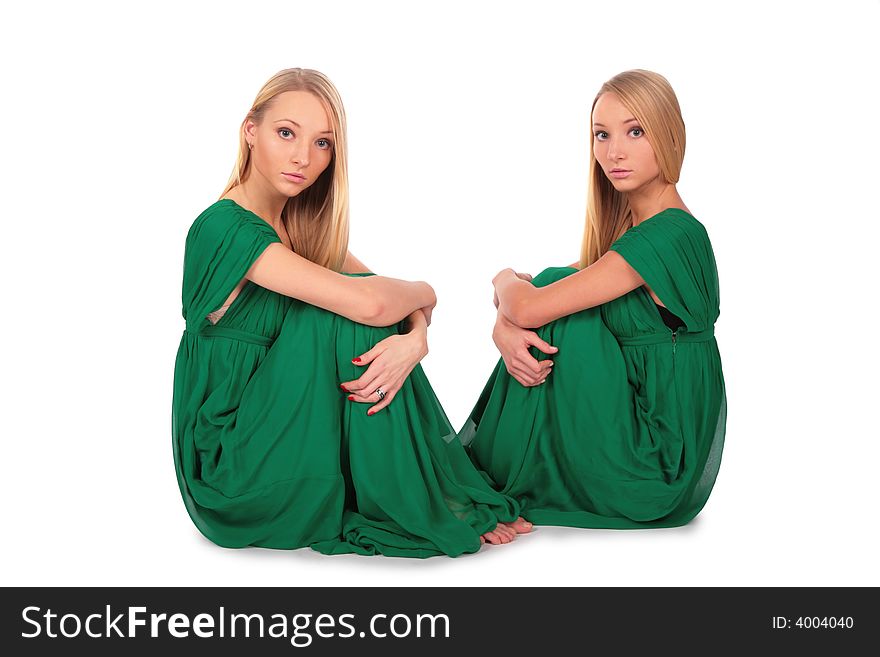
{"x": 381, "y": 393}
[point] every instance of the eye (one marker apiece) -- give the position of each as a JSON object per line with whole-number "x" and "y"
{"x": 285, "y": 133}
{"x": 637, "y": 130}
{"x": 324, "y": 144}
{"x": 601, "y": 135}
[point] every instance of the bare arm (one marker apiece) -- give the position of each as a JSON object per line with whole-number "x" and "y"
{"x": 354, "y": 266}
{"x": 371, "y": 300}
{"x": 391, "y": 360}
{"x": 416, "y": 320}
{"x": 530, "y": 307}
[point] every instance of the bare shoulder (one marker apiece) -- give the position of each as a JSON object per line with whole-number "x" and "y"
{"x": 354, "y": 266}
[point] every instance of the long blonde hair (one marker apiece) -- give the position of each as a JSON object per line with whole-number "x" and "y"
{"x": 317, "y": 218}
{"x": 650, "y": 98}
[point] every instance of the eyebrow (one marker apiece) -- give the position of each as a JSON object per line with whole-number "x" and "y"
{"x": 323, "y": 132}
{"x": 624, "y": 123}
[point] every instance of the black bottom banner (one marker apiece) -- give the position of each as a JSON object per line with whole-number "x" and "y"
{"x": 329, "y": 621}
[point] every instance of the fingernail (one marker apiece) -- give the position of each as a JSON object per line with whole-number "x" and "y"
{"x": 370, "y": 412}
{"x": 343, "y": 387}
{"x": 350, "y": 397}
{"x": 356, "y": 360}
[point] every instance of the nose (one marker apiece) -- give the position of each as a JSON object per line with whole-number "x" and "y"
{"x": 615, "y": 149}
{"x": 300, "y": 153}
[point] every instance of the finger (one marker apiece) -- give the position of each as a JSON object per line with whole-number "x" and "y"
{"x": 515, "y": 367}
{"x": 368, "y": 397}
{"x": 533, "y": 339}
{"x": 525, "y": 378}
{"x": 366, "y": 383}
{"x": 368, "y": 357}
{"x": 525, "y": 360}
{"x": 389, "y": 397}
{"x": 528, "y": 378}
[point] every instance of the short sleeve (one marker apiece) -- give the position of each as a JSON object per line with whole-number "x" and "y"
{"x": 672, "y": 253}
{"x": 222, "y": 244}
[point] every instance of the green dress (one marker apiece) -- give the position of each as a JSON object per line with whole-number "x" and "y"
{"x": 628, "y": 429}
{"x": 268, "y": 450}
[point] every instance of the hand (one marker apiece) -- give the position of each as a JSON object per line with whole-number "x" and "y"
{"x": 427, "y": 311}
{"x": 390, "y": 362}
{"x": 500, "y": 275}
{"x": 513, "y": 342}
{"x": 525, "y": 277}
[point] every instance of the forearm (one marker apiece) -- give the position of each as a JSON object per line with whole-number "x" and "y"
{"x": 395, "y": 299}
{"x": 514, "y": 295}
{"x": 416, "y": 322}
{"x": 503, "y": 320}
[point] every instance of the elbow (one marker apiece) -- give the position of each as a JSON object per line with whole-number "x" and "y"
{"x": 521, "y": 313}
{"x": 372, "y": 310}
{"x": 529, "y": 321}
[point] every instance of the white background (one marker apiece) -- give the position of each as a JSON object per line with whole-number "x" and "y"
{"x": 468, "y": 153}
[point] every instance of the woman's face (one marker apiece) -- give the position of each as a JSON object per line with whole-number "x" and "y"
{"x": 293, "y": 143}
{"x": 621, "y": 147}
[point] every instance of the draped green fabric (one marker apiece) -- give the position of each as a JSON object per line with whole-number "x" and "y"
{"x": 268, "y": 450}
{"x": 628, "y": 429}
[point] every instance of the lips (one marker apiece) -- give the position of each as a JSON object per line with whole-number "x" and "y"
{"x": 619, "y": 173}
{"x": 294, "y": 177}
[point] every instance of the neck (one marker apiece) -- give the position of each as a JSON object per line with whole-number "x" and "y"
{"x": 256, "y": 195}
{"x": 651, "y": 199}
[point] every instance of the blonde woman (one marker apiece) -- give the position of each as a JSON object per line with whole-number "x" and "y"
{"x": 298, "y": 420}
{"x": 612, "y": 413}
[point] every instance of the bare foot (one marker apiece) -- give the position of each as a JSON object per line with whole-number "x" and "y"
{"x": 520, "y": 525}
{"x": 500, "y": 535}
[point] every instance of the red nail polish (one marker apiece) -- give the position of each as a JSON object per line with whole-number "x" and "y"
{"x": 350, "y": 397}
{"x": 356, "y": 360}
{"x": 343, "y": 387}
{"x": 370, "y": 412}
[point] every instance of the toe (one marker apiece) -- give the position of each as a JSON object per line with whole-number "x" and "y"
{"x": 522, "y": 526}
{"x": 492, "y": 537}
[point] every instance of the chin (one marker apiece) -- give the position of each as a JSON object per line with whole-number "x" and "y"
{"x": 625, "y": 185}
{"x": 290, "y": 190}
